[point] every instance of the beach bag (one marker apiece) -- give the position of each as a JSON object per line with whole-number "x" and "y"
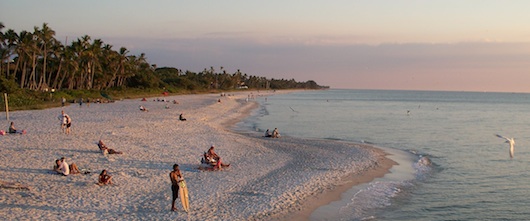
{"x": 2, "y": 132}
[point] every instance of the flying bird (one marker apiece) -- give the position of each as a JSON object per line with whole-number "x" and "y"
{"x": 511, "y": 141}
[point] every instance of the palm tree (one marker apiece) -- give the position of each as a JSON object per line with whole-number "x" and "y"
{"x": 58, "y": 51}
{"x": 3, "y": 49}
{"x": 71, "y": 68}
{"x": 27, "y": 52}
{"x": 94, "y": 64}
{"x": 120, "y": 66}
{"x": 77, "y": 52}
{"x": 44, "y": 38}
{"x": 11, "y": 38}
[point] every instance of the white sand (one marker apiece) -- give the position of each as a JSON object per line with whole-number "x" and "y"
{"x": 269, "y": 179}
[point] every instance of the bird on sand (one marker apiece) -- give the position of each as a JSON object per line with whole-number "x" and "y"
{"x": 511, "y": 141}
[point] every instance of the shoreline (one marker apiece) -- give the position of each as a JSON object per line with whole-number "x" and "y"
{"x": 335, "y": 194}
{"x": 313, "y": 202}
{"x": 152, "y": 142}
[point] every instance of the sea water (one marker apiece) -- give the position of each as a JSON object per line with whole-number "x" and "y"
{"x": 472, "y": 176}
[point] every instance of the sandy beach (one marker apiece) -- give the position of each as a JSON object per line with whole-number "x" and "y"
{"x": 269, "y": 179}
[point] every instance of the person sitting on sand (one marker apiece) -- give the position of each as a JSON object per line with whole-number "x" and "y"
{"x": 181, "y": 117}
{"x": 268, "y": 133}
{"x": 56, "y": 166}
{"x": 105, "y": 150}
{"x": 62, "y": 167}
{"x": 207, "y": 159}
{"x": 142, "y": 108}
{"x": 176, "y": 178}
{"x": 211, "y": 153}
{"x": 104, "y": 178}
{"x": 13, "y": 130}
{"x": 214, "y": 159}
{"x": 275, "y": 133}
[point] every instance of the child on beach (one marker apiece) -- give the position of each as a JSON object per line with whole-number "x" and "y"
{"x": 104, "y": 178}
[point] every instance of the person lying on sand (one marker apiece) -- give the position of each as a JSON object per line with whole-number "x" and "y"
{"x": 104, "y": 178}
{"x": 105, "y": 150}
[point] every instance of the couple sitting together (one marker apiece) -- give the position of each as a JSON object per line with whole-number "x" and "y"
{"x": 62, "y": 167}
{"x": 212, "y": 159}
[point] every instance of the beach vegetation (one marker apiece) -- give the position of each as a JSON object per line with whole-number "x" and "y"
{"x": 37, "y": 69}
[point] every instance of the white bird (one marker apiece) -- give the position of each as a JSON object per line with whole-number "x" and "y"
{"x": 511, "y": 141}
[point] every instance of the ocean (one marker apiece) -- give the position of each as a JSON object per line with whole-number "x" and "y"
{"x": 471, "y": 177}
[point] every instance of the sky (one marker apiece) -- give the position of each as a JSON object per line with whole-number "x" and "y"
{"x": 450, "y": 45}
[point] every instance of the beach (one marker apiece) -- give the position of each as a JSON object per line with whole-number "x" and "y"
{"x": 268, "y": 179}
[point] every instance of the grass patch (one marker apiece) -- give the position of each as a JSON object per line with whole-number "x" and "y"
{"x": 36, "y": 100}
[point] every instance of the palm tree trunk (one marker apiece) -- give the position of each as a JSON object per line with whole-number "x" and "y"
{"x": 32, "y": 76}
{"x": 23, "y": 75}
{"x": 54, "y": 85}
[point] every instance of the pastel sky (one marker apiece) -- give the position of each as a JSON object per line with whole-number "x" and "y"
{"x": 456, "y": 45}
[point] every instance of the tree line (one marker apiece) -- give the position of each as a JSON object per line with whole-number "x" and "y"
{"x": 36, "y": 60}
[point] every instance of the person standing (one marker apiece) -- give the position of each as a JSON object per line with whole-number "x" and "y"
{"x": 66, "y": 122}
{"x": 176, "y": 178}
